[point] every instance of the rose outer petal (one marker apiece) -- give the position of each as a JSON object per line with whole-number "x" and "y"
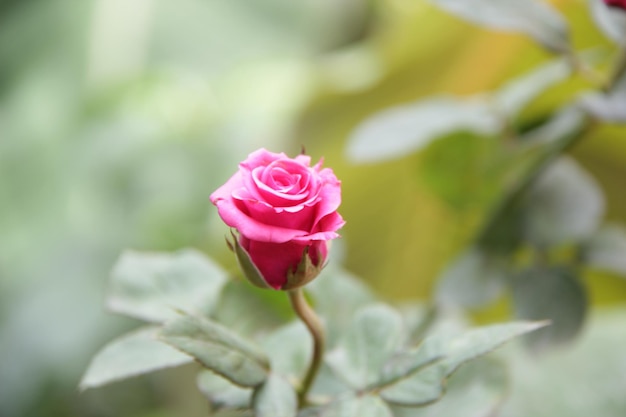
{"x": 226, "y": 191}
{"x": 329, "y": 195}
{"x": 251, "y": 228}
{"x": 261, "y": 157}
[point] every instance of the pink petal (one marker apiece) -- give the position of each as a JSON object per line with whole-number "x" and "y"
{"x": 253, "y": 229}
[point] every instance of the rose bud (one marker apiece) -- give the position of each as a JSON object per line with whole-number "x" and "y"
{"x": 620, "y": 4}
{"x": 285, "y": 213}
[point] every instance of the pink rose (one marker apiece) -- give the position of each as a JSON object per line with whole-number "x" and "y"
{"x": 621, "y": 4}
{"x": 285, "y": 212}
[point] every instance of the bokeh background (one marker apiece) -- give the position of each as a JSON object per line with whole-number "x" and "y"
{"x": 119, "y": 118}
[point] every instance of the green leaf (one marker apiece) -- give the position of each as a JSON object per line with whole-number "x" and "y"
{"x": 606, "y": 249}
{"x": 610, "y": 106}
{"x": 517, "y": 94}
{"x": 607, "y": 107}
{"x": 221, "y": 392}
{"x": 504, "y": 229}
{"x": 152, "y": 286}
{"x": 610, "y": 20}
{"x": 477, "y": 389}
{"x": 217, "y": 348}
{"x": 482, "y": 340}
{"x": 568, "y": 121}
{"x": 502, "y": 234}
{"x": 395, "y": 132}
{"x": 550, "y": 293}
{"x": 407, "y": 362}
{"x": 459, "y": 169}
{"x": 534, "y": 18}
{"x": 474, "y": 279}
{"x": 428, "y": 385}
{"x": 233, "y": 413}
{"x": 586, "y": 379}
{"x": 244, "y": 310}
{"x": 289, "y": 349}
{"x": 351, "y": 406}
{"x": 134, "y": 354}
{"x": 337, "y": 296}
{"x": 375, "y": 335}
{"x": 565, "y": 204}
{"x": 275, "y": 398}
{"x": 327, "y": 385}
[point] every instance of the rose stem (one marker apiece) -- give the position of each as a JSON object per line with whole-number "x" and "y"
{"x": 312, "y": 322}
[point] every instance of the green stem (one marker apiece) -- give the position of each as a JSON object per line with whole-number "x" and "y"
{"x": 313, "y": 324}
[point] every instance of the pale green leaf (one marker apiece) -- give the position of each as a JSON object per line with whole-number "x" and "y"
{"x": 337, "y": 295}
{"x": 352, "y": 406}
{"x": 275, "y": 398}
{"x": 289, "y": 349}
{"x": 565, "y": 204}
{"x": 609, "y": 106}
{"x": 569, "y": 120}
{"x": 611, "y": 20}
{"x": 229, "y": 412}
{"x": 395, "y": 132}
{"x": 409, "y": 361}
{"x": 550, "y": 293}
{"x": 217, "y": 348}
{"x": 606, "y": 250}
{"x": 153, "y": 286}
{"x": 535, "y": 18}
{"x": 134, "y": 354}
{"x": 327, "y": 385}
{"x": 221, "y": 392}
{"x": 376, "y": 333}
{"x": 243, "y": 310}
{"x": 482, "y": 340}
{"x": 473, "y": 279}
{"x": 420, "y": 389}
{"x": 476, "y": 390}
{"x": 428, "y": 385}
{"x": 586, "y": 379}
{"x": 518, "y": 93}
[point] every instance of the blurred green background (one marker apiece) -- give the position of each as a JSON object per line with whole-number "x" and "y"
{"x": 119, "y": 118}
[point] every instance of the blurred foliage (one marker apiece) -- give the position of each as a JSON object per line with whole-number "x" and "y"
{"x": 543, "y": 202}
{"x": 119, "y": 118}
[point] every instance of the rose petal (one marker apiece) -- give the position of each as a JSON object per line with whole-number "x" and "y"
{"x": 317, "y": 236}
{"x": 329, "y": 195}
{"x": 225, "y": 192}
{"x": 272, "y": 196}
{"x": 251, "y": 228}
{"x": 261, "y": 157}
{"x": 303, "y": 159}
{"x": 331, "y": 222}
{"x": 298, "y": 217}
{"x": 274, "y": 260}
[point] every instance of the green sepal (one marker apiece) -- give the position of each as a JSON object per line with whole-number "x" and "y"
{"x": 250, "y": 271}
{"x": 305, "y": 272}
